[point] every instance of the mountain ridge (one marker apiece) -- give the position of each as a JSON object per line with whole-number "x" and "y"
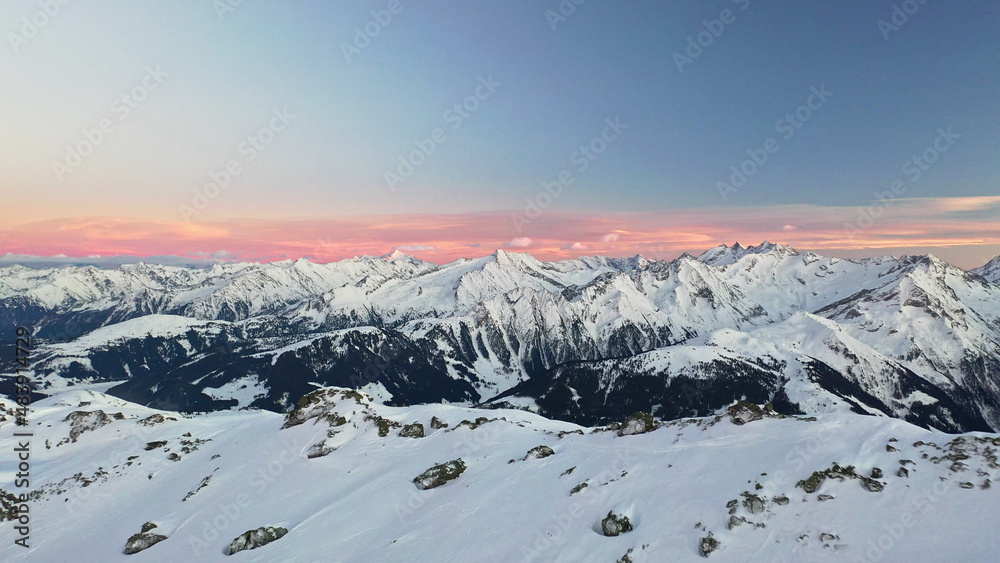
{"x": 476, "y": 329}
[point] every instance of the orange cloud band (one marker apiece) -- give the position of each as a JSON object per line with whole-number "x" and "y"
{"x": 926, "y": 223}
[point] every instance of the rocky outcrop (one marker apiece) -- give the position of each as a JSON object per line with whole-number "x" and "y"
{"x": 614, "y": 524}
{"x": 252, "y": 539}
{"x": 440, "y": 474}
{"x": 637, "y": 423}
{"x": 143, "y": 540}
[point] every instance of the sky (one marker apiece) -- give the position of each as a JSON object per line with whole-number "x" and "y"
{"x": 252, "y": 130}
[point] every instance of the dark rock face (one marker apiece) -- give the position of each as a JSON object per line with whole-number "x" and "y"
{"x": 440, "y": 474}
{"x": 539, "y": 452}
{"x": 576, "y": 392}
{"x": 637, "y": 423}
{"x": 415, "y": 430}
{"x": 406, "y": 369}
{"x": 143, "y": 540}
{"x": 614, "y": 524}
{"x": 252, "y": 539}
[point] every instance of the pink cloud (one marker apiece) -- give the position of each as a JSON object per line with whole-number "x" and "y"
{"x": 519, "y": 242}
{"x": 906, "y": 223}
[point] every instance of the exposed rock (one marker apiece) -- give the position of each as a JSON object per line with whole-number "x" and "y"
{"x": 319, "y": 450}
{"x": 872, "y": 485}
{"x": 743, "y": 412}
{"x": 84, "y": 421}
{"x": 440, "y": 474}
{"x": 415, "y": 430}
{"x": 143, "y": 540}
{"x": 333, "y": 419}
{"x": 204, "y": 483}
{"x": 437, "y": 423}
{"x": 707, "y": 545}
{"x": 753, "y": 503}
{"x": 155, "y": 419}
{"x": 627, "y": 558}
{"x": 538, "y": 452}
{"x": 320, "y": 404}
{"x": 613, "y": 524}
{"x": 473, "y": 425}
{"x": 813, "y": 482}
{"x": 637, "y": 423}
{"x": 252, "y": 539}
{"x": 384, "y": 424}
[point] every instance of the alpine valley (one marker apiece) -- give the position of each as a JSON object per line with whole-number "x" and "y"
{"x": 748, "y": 404}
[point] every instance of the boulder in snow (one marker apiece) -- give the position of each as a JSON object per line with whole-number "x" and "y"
{"x": 252, "y": 539}
{"x": 440, "y": 474}
{"x": 143, "y": 540}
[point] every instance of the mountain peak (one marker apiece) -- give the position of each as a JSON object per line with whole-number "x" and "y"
{"x": 397, "y": 254}
{"x": 723, "y": 255}
{"x": 990, "y": 270}
{"x": 507, "y": 256}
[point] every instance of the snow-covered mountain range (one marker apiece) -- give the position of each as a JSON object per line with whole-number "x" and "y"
{"x": 588, "y": 340}
{"x": 749, "y": 404}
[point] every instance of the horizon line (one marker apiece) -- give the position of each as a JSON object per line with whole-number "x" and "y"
{"x": 196, "y": 262}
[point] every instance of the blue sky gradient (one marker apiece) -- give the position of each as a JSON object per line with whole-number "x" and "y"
{"x": 354, "y": 119}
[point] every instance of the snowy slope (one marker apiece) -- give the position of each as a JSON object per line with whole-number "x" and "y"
{"x": 347, "y": 494}
{"x": 805, "y": 364}
{"x": 990, "y": 271}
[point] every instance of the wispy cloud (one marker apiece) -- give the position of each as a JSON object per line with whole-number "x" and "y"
{"x": 519, "y": 242}
{"x": 928, "y": 223}
{"x": 417, "y": 248}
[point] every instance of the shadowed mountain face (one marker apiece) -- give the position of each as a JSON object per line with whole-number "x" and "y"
{"x": 587, "y": 340}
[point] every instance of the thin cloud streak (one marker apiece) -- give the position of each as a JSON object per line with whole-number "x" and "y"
{"x": 905, "y": 223}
